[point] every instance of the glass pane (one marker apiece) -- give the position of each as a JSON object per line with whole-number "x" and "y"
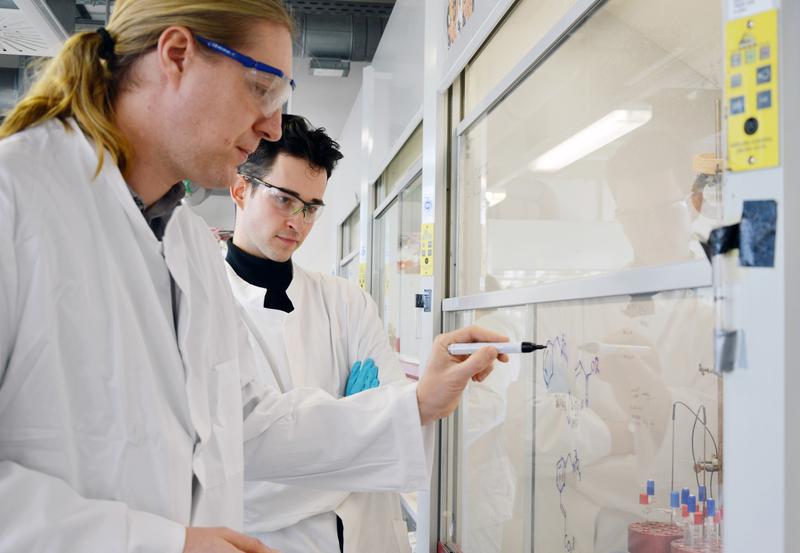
{"x": 380, "y": 191}
{"x": 495, "y": 446}
{"x": 397, "y": 280}
{"x": 399, "y": 166}
{"x": 551, "y": 452}
{"x": 449, "y": 455}
{"x": 344, "y": 242}
{"x": 587, "y": 166}
{"x": 525, "y": 25}
{"x": 353, "y": 223}
{"x": 351, "y": 239}
{"x": 613, "y": 390}
{"x": 349, "y": 270}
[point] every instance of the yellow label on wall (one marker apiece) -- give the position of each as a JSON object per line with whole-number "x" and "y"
{"x": 362, "y": 276}
{"x": 426, "y": 250}
{"x": 751, "y": 91}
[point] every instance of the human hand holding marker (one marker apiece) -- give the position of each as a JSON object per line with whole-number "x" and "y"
{"x": 445, "y": 377}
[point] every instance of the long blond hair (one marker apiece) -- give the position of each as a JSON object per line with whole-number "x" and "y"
{"x": 77, "y": 83}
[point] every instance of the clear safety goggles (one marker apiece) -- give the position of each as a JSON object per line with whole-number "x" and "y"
{"x": 287, "y": 202}
{"x": 269, "y": 85}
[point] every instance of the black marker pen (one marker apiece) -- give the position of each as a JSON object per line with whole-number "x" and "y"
{"x": 501, "y": 347}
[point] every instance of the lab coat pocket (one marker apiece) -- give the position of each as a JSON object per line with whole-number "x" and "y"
{"x": 220, "y": 455}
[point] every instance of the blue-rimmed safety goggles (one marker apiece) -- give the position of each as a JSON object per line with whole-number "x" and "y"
{"x": 269, "y": 84}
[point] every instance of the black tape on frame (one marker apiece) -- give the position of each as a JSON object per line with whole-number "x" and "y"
{"x": 757, "y": 233}
{"x": 722, "y": 240}
{"x": 754, "y": 236}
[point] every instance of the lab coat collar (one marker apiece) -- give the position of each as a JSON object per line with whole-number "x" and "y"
{"x": 273, "y": 276}
{"x": 111, "y": 173}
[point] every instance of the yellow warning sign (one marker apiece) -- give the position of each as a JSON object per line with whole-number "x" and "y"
{"x": 751, "y": 91}
{"x": 362, "y": 276}
{"x": 426, "y": 250}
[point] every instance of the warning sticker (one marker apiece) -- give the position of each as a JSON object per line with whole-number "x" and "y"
{"x": 362, "y": 276}
{"x": 426, "y": 250}
{"x": 751, "y": 91}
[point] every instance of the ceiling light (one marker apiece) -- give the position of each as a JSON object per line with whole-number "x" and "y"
{"x": 604, "y": 131}
{"x": 322, "y": 67}
{"x": 494, "y": 197}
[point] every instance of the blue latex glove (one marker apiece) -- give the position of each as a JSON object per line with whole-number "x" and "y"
{"x": 363, "y": 376}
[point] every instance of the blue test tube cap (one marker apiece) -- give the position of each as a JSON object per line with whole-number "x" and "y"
{"x": 711, "y": 507}
{"x": 701, "y": 493}
{"x": 685, "y": 496}
{"x": 675, "y": 500}
{"x": 692, "y": 503}
{"x": 651, "y": 487}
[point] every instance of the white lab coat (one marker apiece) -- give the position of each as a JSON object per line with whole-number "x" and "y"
{"x": 120, "y": 425}
{"x": 333, "y": 325}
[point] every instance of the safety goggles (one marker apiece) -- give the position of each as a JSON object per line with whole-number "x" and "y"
{"x": 269, "y": 85}
{"x": 287, "y": 202}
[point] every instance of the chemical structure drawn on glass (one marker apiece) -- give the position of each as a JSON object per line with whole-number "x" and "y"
{"x": 567, "y": 465}
{"x": 557, "y": 375}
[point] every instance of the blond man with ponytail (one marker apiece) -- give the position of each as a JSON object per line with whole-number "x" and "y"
{"x": 131, "y": 409}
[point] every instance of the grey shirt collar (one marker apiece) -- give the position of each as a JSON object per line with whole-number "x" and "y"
{"x": 159, "y": 213}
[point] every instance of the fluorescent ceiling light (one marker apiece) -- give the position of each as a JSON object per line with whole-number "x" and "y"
{"x": 604, "y": 131}
{"x": 323, "y": 67}
{"x": 494, "y": 197}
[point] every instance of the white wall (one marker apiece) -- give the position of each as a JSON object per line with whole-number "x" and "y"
{"x": 319, "y": 253}
{"x": 399, "y": 72}
{"x": 218, "y": 211}
{"x": 325, "y": 101}
{"x": 389, "y": 105}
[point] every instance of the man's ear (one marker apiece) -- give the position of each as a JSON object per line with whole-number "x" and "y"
{"x": 176, "y": 47}
{"x": 240, "y": 191}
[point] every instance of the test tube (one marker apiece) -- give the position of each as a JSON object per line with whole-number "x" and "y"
{"x": 685, "y": 496}
{"x": 701, "y": 498}
{"x": 697, "y": 529}
{"x": 644, "y": 501}
{"x": 675, "y": 505}
{"x": 688, "y": 531}
{"x": 685, "y": 526}
{"x": 712, "y": 528}
{"x": 647, "y": 499}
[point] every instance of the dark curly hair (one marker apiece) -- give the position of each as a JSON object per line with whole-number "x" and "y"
{"x": 300, "y": 140}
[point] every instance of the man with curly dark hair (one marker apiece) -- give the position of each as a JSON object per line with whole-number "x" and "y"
{"x": 314, "y": 330}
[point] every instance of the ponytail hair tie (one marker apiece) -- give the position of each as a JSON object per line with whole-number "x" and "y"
{"x": 106, "y": 50}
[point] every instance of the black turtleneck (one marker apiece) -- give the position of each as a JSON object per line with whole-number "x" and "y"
{"x": 274, "y": 276}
